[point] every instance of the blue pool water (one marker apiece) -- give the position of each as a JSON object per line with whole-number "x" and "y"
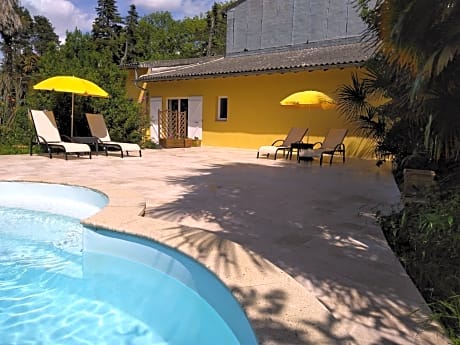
{"x": 62, "y": 283}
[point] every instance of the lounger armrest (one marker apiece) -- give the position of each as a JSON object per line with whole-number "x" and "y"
{"x": 273, "y": 144}
{"x": 66, "y": 138}
{"x": 318, "y": 142}
{"x": 340, "y": 147}
{"x": 36, "y": 139}
{"x": 40, "y": 139}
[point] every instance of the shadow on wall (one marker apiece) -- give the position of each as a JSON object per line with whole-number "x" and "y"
{"x": 359, "y": 147}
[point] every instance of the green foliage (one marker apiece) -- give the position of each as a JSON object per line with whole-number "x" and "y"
{"x": 426, "y": 238}
{"x": 107, "y": 30}
{"x": 193, "y": 37}
{"x": 78, "y": 57}
{"x": 216, "y": 20}
{"x": 362, "y": 104}
{"x": 15, "y": 138}
{"x": 10, "y": 21}
{"x": 18, "y": 63}
{"x": 420, "y": 53}
{"x": 151, "y": 145}
{"x": 162, "y": 38}
{"x": 43, "y": 35}
{"x": 107, "y": 24}
{"x": 447, "y": 312}
{"x": 426, "y": 45}
{"x": 132, "y": 52}
{"x": 416, "y": 67}
{"x": 34, "y": 54}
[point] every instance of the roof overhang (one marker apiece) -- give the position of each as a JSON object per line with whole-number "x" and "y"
{"x": 293, "y": 60}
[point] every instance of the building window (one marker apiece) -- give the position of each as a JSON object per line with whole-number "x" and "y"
{"x": 222, "y": 110}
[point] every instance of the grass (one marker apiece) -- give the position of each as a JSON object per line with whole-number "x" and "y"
{"x": 426, "y": 238}
{"x": 13, "y": 149}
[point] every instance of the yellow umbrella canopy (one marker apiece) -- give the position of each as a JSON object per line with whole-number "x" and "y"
{"x": 73, "y": 85}
{"x": 309, "y": 99}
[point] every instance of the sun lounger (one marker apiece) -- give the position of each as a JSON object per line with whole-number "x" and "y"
{"x": 332, "y": 144}
{"x": 295, "y": 135}
{"x": 47, "y": 135}
{"x": 99, "y": 130}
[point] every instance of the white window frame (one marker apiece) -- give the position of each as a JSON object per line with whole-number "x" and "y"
{"x": 218, "y": 117}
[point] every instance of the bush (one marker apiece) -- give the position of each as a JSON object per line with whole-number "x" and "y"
{"x": 426, "y": 238}
{"x": 15, "y": 139}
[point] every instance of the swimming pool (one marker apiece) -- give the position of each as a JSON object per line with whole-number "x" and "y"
{"x": 82, "y": 285}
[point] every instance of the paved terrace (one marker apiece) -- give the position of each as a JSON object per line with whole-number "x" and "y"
{"x": 297, "y": 244}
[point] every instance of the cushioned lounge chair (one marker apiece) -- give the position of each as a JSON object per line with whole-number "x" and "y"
{"x": 332, "y": 144}
{"x": 47, "y": 135}
{"x": 295, "y": 135}
{"x": 99, "y": 130}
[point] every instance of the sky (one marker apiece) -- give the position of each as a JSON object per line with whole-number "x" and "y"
{"x": 66, "y": 15}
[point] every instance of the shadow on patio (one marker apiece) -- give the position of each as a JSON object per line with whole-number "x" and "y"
{"x": 317, "y": 224}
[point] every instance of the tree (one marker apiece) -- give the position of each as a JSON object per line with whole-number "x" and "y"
{"x": 159, "y": 36}
{"x": 422, "y": 54}
{"x": 79, "y": 57}
{"x": 107, "y": 29}
{"x": 217, "y": 28}
{"x": 425, "y": 44}
{"x": 43, "y": 35}
{"x": 10, "y": 21}
{"x": 19, "y": 61}
{"x": 131, "y": 53}
{"x": 418, "y": 43}
{"x": 192, "y": 38}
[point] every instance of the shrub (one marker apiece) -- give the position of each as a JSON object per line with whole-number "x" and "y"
{"x": 426, "y": 238}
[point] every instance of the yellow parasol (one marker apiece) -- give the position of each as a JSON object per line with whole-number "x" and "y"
{"x": 74, "y": 85}
{"x": 309, "y": 99}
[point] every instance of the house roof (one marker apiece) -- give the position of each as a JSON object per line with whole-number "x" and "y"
{"x": 312, "y": 58}
{"x": 236, "y": 3}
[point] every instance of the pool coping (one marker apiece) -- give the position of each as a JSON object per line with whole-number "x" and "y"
{"x": 254, "y": 281}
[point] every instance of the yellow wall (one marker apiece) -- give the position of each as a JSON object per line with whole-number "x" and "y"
{"x": 255, "y": 116}
{"x": 136, "y": 90}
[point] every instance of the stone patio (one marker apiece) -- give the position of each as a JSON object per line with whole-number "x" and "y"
{"x": 298, "y": 244}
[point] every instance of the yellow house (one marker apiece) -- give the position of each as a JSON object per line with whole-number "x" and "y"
{"x": 274, "y": 48}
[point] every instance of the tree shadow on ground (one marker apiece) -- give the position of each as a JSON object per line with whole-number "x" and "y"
{"x": 316, "y": 224}
{"x": 271, "y": 331}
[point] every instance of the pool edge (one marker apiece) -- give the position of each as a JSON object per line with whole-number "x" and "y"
{"x": 258, "y": 285}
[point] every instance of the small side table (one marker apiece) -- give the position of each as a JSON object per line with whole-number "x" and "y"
{"x": 298, "y": 147}
{"x": 92, "y": 141}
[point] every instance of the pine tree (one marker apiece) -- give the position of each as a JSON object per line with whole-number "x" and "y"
{"x": 217, "y": 28}
{"x": 131, "y": 31}
{"x": 107, "y": 29}
{"x": 43, "y": 35}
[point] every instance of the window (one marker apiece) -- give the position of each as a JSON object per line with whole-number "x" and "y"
{"x": 222, "y": 110}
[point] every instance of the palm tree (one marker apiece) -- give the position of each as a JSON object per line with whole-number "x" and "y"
{"x": 10, "y": 21}
{"x": 427, "y": 49}
{"x": 426, "y": 44}
{"x": 10, "y": 24}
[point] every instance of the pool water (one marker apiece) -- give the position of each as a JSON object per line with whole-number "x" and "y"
{"x": 63, "y": 283}
{"x": 48, "y": 296}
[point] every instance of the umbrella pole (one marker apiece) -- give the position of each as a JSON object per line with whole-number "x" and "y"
{"x": 71, "y": 117}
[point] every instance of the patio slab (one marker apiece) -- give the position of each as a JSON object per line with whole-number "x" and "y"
{"x": 298, "y": 244}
